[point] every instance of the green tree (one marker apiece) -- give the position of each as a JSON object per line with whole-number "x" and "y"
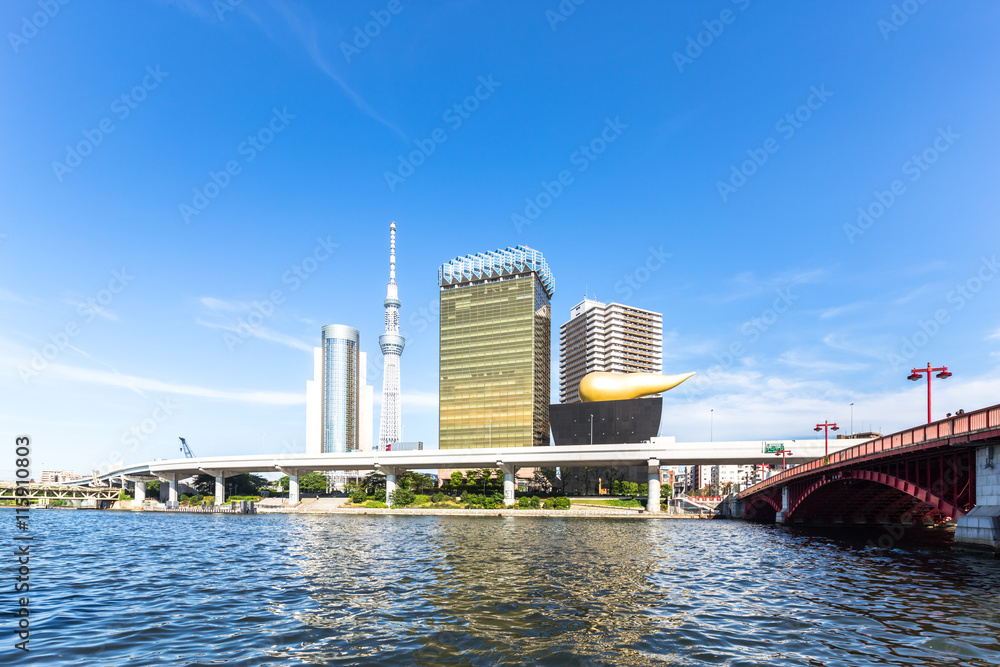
{"x": 402, "y": 497}
{"x": 373, "y": 483}
{"x": 456, "y": 479}
{"x": 313, "y": 482}
{"x": 616, "y": 487}
{"x": 644, "y": 489}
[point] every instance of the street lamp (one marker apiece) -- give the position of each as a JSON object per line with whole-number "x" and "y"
{"x": 942, "y": 373}
{"x": 783, "y": 452}
{"x": 591, "y": 428}
{"x": 826, "y": 427}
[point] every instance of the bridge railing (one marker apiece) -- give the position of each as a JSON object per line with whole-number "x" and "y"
{"x": 970, "y": 422}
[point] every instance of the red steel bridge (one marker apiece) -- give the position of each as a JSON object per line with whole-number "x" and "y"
{"x": 925, "y": 474}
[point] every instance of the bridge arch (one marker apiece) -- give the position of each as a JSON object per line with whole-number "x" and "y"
{"x": 759, "y": 502}
{"x": 917, "y": 494}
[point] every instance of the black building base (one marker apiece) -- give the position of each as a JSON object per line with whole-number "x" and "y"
{"x": 630, "y": 421}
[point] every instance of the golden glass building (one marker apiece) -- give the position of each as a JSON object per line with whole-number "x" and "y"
{"x": 496, "y": 328}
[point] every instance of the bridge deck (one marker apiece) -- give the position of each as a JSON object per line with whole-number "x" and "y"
{"x": 960, "y": 430}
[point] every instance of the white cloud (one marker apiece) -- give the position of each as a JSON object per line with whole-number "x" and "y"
{"x": 840, "y": 310}
{"x": 264, "y": 334}
{"x": 135, "y": 383}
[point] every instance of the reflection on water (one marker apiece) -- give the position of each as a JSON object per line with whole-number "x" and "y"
{"x": 123, "y": 589}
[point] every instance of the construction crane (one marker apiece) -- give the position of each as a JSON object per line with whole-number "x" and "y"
{"x": 187, "y": 450}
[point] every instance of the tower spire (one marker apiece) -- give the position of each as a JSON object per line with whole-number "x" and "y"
{"x": 391, "y": 424}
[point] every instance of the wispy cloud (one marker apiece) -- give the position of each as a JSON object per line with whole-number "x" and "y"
{"x": 135, "y": 383}
{"x": 836, "y": 311}
{"x": 305, "y": 30}
{"x": 906, "y": 298}
{"x": 262, "y": 333}
{"x": 795, "y": 359}
{"x": 10, "y": 297}
{"x": 214, "y": 304}
{"x": 747, "y": 284}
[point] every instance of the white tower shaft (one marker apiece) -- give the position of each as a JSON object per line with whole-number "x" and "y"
{"x": 391, "y": 424}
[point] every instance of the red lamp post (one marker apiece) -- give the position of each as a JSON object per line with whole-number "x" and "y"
{"x": 942, "y": 373}
{"x": 782, "y": 453}
{"x": 826, "y": 427}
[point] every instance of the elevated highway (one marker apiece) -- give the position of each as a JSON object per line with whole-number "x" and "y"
{"x": 661, "y": 451}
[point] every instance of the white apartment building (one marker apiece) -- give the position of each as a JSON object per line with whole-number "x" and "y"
{"x": 607, "y": 337}
{"x": 57, "y": 476}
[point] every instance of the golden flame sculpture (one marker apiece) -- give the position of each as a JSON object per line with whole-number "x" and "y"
{"x": 622, "y": 386}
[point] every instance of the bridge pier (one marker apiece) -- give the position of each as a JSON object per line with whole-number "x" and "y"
{"x": 293, "y": 484}
{"x": 140, "y": 493}
{"x": 220, "y": 484}
{"x": 508, "y": 482}
{"x": 390, "y": 484}
{"x": 653, "y": 486}
{"x": 781, "y": 516}
{"x": 980, "y": 528}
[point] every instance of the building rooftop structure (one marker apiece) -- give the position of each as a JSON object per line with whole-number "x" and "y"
{"x": 498, "y": 265}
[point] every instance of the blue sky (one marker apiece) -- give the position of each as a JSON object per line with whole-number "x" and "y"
{"x": 167, "y": 169}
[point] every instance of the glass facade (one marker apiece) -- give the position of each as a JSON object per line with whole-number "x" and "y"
{"x": 340, "y": 388}
{"x": 495, "y": 356}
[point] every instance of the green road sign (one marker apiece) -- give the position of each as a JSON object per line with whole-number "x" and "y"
{"x": 774, "y": 447}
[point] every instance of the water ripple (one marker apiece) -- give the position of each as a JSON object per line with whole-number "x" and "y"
{"x": 116, "y": 589}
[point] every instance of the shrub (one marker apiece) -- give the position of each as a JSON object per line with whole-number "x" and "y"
{"x": 375, "y": 504}
{"x": 421, "y": 499}
{"x": 561, "y": 503}
{"x": 402, "y": 497}
{"x": 359, "y": 497}
{"x": 439, "y": 498}
{"x": 524, "y": 502}
{"x": 643, "y": 489}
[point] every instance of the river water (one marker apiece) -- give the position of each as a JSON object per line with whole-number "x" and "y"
{"x": 112, "y": 588}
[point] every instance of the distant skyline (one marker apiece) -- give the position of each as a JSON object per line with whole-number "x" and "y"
{"x": 190, "y": 190}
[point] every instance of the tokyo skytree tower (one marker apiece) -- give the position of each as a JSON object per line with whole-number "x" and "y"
{"x": 390, "y": 428}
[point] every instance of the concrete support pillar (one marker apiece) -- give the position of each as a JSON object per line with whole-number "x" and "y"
{"x": 172, "y": 492}
{"x": 980, "y": 528}
{"x": 653, "y": 486}
{"x": 163, "y": 490}
{"x": 140, "y": 493}
{"x": 220, "y": 488}
{"x": 390, "y": 484}
{"x": 781, "y": 516}
{"x": 293, "y": 487}
{"x": 508, "y": 482}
